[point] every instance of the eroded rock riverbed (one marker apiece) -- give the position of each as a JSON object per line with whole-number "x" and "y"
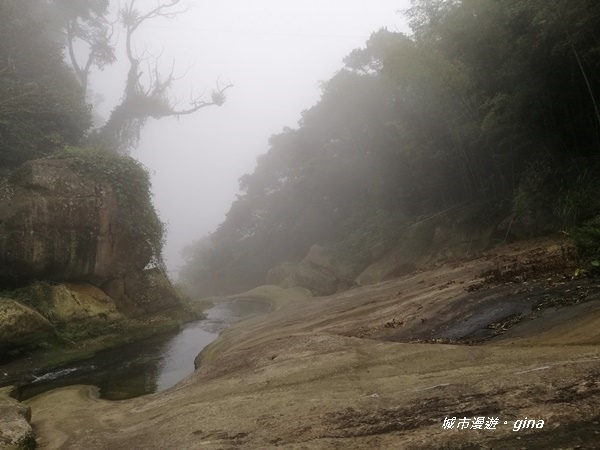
{"x": 378, "y": 367}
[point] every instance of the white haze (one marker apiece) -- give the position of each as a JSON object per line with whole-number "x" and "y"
{"x": 275, "y": 52}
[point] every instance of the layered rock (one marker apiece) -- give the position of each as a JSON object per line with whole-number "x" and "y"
{"x": 303, "y": 274}
{"x": 54, "y": 224}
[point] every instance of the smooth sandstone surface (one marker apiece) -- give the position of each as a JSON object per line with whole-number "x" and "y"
{"x": 367, "y": 369}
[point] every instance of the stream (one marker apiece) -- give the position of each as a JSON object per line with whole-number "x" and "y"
{"x": 150, "y": 365}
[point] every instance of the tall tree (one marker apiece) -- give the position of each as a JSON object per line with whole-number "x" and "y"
{"x": 146, "y": 92}
{"x": 86, "y": 21}
{"x": 42, "y": 107}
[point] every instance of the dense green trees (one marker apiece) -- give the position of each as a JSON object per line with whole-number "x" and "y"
{"x": 489, "y": 110}
{"x": 42, "y": 107}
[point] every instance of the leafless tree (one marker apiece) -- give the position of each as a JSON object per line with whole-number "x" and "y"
{"x": 147, "y": 92}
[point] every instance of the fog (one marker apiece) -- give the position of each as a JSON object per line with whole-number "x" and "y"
{"x": 275, "y": 53}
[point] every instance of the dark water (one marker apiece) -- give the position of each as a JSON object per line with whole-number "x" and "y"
{"x": 150, "y": 365}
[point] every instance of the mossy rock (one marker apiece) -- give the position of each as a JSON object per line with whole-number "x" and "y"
{"x": 20, "y": 324}
{"x": 70, "y": 302}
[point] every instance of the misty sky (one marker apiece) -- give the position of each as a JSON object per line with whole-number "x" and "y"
{"x": 275, "y": 52}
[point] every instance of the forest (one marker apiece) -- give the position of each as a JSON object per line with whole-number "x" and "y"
{"x": 48, "y": 108}
{"x": 486, "y": 115}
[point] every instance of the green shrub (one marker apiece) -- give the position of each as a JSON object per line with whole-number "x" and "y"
{"x": 578, "y": 200}
{"x": 534, "y": 199}
{"x": 555, "y": 195}
{"x": 587, "y": 238}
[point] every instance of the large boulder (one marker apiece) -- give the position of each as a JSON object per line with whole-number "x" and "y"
{"x": 319, "y": 271}
{"x": 15, "y": 430}
{"x": 55, "y": 224}
{"x": 328, "y": 262}
{"x": 317, "y": 279}
{"x": 70, "y": 303}
{"x": 143, "y": 292}
{"x": 20, "y": 324}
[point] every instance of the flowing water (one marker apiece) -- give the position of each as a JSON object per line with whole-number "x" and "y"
{"x": 150, "y": 365}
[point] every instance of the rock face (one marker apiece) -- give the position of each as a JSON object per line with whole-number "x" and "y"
{"x": 70, "y": 305}
{"x": 318, "y": 272}
{"x": 321, "y": 256}
{"x": 351, "y": 371}
{"x": 56, "y": 225}
{"x": 73, "y": 252}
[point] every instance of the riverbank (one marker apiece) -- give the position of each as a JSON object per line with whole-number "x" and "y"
{"x": 21, "y": 370}
{"x": 142, "y": 366}
{"x": 379, "y": 366}
{"x": 79, "y": 362}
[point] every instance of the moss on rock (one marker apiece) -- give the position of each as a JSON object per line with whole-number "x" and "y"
{"x": 20, "y": 324}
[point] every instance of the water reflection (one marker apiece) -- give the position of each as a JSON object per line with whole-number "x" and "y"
{"x": 179, "y": 355}
{"x": 151, "y": 365}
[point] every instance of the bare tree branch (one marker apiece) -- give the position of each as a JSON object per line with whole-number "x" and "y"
{"x": 146, "y": 92}
{"x": 217, "y": 99}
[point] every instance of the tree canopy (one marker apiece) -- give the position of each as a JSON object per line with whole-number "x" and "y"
{"x": 42, "y": 107}
{"x": 489, "y": 108}
{"x": 90, "y": 25}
